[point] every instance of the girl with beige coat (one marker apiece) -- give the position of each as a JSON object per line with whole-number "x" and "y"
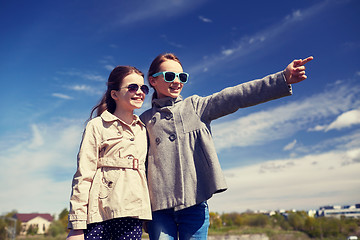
{"x": 110, "y": 198}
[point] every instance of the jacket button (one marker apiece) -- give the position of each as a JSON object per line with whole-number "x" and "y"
{"x": 169, "y": 116}
{"x": 158, "y": 141}
{"x": 172, "y": 137}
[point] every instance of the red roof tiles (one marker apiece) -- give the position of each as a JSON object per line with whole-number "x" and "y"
{"x": 25, "y": 217}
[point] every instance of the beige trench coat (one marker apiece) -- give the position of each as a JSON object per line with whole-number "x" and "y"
{"x": 110, "y": 180}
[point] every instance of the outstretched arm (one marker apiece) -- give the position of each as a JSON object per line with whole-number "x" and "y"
{"x": 295, "y": 71}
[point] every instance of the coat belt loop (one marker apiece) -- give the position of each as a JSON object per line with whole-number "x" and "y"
{"x": 136, "y": 164}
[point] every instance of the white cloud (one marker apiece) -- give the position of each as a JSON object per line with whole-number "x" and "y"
{"x": 37, "y": 140}
{"x": 301, "y": 183}
{"x": 81, "y": 88}
{"x": 62, "y": 96}
{"x": 262, "y": 127}
{"x": 94, "y": 77}
{"x": 204, "y": 19}
{"x": 155, "y": 10}
{"x": 171, "y": 43}
{"x": 290, "y": 145}
{"x": 87, "y": 76}
{"x": 249, "y": 44}
{"x": 318, "y": 128}
{"x": 86, "y": 88}
{"x": 295, "y": 15}
{"x": 227, "y": 52}
{"x": 345, "y": 120}
{"x": 38, "y": 170}
{"x": 109, "y": 67}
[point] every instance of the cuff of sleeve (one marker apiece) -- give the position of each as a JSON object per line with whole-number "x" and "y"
{"x": 79, "y": 224}
{"x": 289, "y": 85}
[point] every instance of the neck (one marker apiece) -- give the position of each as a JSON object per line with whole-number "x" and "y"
{"x": 125, "y": 115}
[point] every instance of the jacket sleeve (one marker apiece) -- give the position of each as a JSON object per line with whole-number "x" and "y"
{"x": 82, "y": 180}
{"x": 243, "y": 95}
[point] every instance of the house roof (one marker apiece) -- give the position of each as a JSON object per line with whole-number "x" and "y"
{"x": 25, "y": 217}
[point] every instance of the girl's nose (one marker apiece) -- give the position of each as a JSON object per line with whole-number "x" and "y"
{"x": 177, "y": 80}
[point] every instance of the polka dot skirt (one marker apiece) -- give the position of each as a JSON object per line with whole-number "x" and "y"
{"x": 115, "y": 229}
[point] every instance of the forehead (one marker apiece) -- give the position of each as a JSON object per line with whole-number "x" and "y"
{"x": 171, "y": 65}
{"x": 133, "y": 78}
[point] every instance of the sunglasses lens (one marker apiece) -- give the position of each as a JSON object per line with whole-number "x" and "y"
{"x": 145, "y": 89}
{"x": 133, "y": 88}
{"x": 169, "y": 76}
{"x": 183, "y": 77}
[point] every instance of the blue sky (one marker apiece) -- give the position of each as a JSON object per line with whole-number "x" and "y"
{"x": 298, "y": 152}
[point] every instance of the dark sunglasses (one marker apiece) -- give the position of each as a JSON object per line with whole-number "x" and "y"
{"x": 170, "y": 76}
{"x": 133, "y": 88}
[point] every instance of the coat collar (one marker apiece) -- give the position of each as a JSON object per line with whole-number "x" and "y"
{"x": 166, "y": 101}
{"x": 108, "y": 117}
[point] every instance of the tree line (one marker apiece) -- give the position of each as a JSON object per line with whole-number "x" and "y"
{"x": 313, "y": 227}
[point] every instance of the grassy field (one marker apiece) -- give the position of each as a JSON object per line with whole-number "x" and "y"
{"x": 273, "y": 234}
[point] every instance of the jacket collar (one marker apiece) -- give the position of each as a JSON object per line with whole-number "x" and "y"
{"x": 166, "y": 101}
{"x": 108, "y": 117}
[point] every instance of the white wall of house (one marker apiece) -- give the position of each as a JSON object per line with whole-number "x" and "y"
{"x": 40, "y": 223}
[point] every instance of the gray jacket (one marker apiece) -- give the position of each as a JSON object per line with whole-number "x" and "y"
{"x": 183, "y": 167}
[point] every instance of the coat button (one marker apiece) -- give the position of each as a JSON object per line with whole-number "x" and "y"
{"x": 158, "y": 141}
{"x": 172, "y": 137}
{"x": 169, "y": 116}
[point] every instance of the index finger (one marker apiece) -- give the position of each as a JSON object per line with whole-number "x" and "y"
{"x": 306, "y": 60}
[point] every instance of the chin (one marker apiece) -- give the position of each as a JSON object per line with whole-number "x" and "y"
{"x": 174, "y": 95}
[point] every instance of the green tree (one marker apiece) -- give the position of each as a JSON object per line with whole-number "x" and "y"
{"x": 279, "y": 220}
{"x": 3, "y": 232}
{"x": 331, "y": 227}
{"x": 63, "y": 218}
{"x": 296, "y": 220}
{"x": 55, "y": 229}
{"x": 259, "y": 220}
{"x": 59, "y": 226}
{"x": 226, "y": 219}
{"x": 215, "y": 220}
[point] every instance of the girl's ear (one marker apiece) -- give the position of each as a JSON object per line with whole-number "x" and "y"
{"x": 113, "y": 94}
{"x": 152, "y": 81}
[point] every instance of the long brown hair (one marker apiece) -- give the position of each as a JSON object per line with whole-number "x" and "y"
{"x": 114, "y": 81}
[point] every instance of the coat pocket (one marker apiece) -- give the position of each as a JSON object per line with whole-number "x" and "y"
{"x": 110, "y": 176}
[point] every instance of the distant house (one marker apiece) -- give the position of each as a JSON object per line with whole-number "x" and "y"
{"x": 39, "y": 221}
{"x": 350, "y": 211}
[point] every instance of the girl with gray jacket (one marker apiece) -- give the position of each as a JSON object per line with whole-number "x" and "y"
{"x": 183, "y": 169}
{"x": 110, "y": 197}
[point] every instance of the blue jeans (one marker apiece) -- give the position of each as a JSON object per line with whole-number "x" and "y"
{"x": 189, "y": 223}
